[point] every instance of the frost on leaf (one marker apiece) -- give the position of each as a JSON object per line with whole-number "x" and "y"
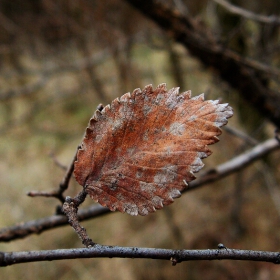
{"x": 139, "y": 152}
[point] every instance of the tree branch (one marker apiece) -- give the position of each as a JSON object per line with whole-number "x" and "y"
{"x": 235, "y": 164}
{"x": 247, "y": 78}
{"x": 101, "y": 251}
{"x": 40, "y": 225}
{"x": 70, "y": 209}
{"x": 248, "y": 14}
{"x": 62, "y": 186}
{"x": 37, "y": 226}
{"x": 240, "y": 134}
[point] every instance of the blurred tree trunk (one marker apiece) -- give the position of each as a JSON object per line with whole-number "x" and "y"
{"x": 175, "y": 64}
{"x": 95, "y": 82}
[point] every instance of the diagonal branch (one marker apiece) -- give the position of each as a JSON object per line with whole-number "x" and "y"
{"x": 37, "y": 226}
{"x": 248, "y": 14}
{"x": 235, "y": 164}
{"x": 239, "y": 72}
{"x": 101, "y": 251}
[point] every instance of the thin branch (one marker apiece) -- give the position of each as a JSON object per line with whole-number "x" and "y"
{"x": 65, "y": 181}
{"x": 240, "y": 134}
{"x": 235, "y": 164}
{"x": 248, "y": 14}
{"x": 174, "y": 256}
{"x": 37, "y": 226}
{"x": 57, "y": 162}
{"x": 62, "y": 186}
{"x": 70, "y": 209}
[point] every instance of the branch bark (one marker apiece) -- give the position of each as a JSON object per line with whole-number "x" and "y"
{"x": 101, "y": 251}
{"x": 37, "y": 226}
{"x": 240, "y": 73}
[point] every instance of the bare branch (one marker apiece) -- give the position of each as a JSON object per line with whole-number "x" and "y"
{"x": 240, "y": 134}
{"x": 37, "y": 226}
{"x": 203, "y": 45}
{"x": 57, "y": 162}
{"x": 248, "y": 14}
{"x": 235, "y": 164}
{"x": 70, "y": 209}
{"x": 102, "y": 251}
{"x": 62, "y": 186}
{"x": 65, "y": 181}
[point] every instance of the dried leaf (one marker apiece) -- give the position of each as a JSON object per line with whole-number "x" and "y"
{"x": 139, "y": 152}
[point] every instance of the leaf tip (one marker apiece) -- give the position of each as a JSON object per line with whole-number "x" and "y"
{"x": 148, "y": 88}
{"x": 162, "y": 87}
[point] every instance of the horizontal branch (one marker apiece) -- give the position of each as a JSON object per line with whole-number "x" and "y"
{"x": 101, "y": 251}
{"x": 37, "y": 226}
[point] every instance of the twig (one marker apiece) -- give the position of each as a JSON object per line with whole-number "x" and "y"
{"x": 62, "y": 186}
{"x": 37, "y": 226}
{"x": 65, "y": 181}
{"x": 57, "y": 162}
{"x": 70, "y": 209}
{"x": 102, "y": 251}
{"x": 248, "y": 14}
{"x": 235, "y": 164}
{"x": 240, "y": 134}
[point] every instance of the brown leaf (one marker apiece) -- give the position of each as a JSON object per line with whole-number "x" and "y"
{"x": 140, "y": 151}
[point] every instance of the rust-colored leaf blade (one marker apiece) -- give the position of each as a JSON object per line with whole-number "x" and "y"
{"x": 139, "y": 152}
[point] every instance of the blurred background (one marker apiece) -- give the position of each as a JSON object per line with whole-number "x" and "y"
{"x": 58, "y": 61}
